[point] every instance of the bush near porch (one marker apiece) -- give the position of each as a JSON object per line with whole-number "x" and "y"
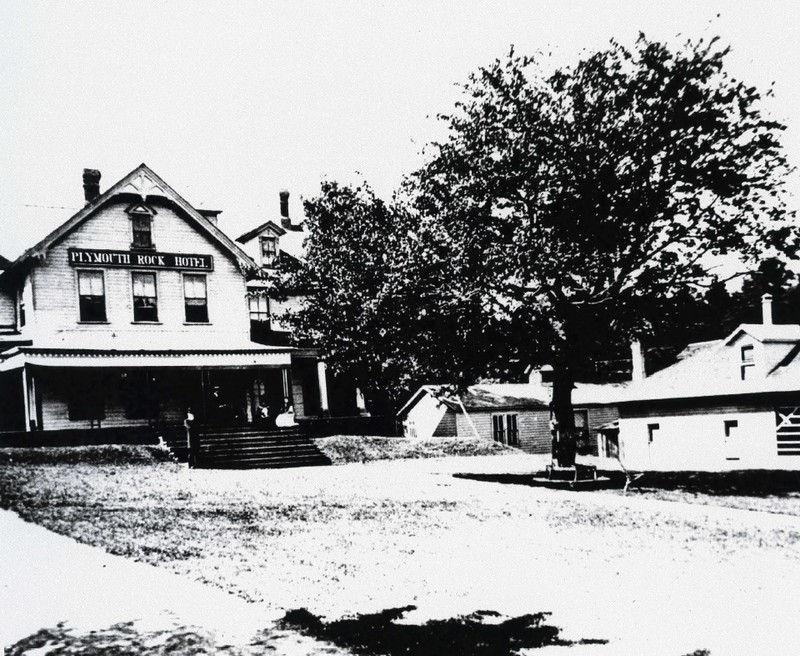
{"x": 343, "y": 449}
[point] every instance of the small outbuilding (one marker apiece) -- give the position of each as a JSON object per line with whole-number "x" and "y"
{"x": 515, "y": 414}
{"x": 728, "y": 404}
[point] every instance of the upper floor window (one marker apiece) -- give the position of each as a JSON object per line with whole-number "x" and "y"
{"x": 259, "y": 308}
{"x": 195, "y": 298}
{"x": 141, "y": 218}
{"x": 142, "y": 230}
{"x": 145, "y": 301}
{"x": 269, "y": 250}
{"x": 91, "y": 296}
{"x": 748, "y": 360}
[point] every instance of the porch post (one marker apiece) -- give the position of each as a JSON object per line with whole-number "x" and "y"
{"x": 285, "y": 380}
{"x": 25, "y": 399}
{"x": 35, "y": 402}
{"x": 204, "y": 393}
{"x": 323, "y": 387}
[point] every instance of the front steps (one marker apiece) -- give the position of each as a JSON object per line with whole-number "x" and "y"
{"x": 255, "y": 448}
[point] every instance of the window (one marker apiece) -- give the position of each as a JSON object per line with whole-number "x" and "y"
{"x": 582, "y": 439}
{"x": 91, "y": 296}
{"x": 269, "y": 251}
{"x": 86, "y": 395}
{"x": 651, "y": 431}
{"x": 145, "y": 301}
{"x": 748, "y": 360}
{"x": 259, "y": 308}
{"x": 731, "y": 443}
{"x": 194, "y": 295}
{"x": 499, "y": 428}
{"x": 505, "y": 429}
{"x": 512, "y": 430}
{"x": 141, "y": 223}
{"x": 140, "y": 393}
{"x": 21, "y": 309}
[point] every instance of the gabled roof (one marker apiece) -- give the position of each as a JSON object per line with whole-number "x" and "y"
{"x": 767, "y": 332}
{"x": 517, "y": 396}
{"x": 271, "y": 225}
{"x": 143, "y": 182}
{"x": 708, "y": 369}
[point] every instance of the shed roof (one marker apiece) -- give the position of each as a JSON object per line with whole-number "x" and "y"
{"x": 517, "y": 396}
{"x": 767, "y": 332}
{"x": 707, "y": 371}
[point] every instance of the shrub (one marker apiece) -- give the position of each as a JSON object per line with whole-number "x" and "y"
{"x": 107, "y": 454}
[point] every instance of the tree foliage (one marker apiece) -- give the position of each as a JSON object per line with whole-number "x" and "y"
{"x": 564, "y": 213}
{"x": 381, "y": 305}
{"x": 578, "y": 200}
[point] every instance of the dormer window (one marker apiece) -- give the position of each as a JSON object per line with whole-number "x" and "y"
{"x": 269, "y": 250}
{"x": 747, "y": 361}
{"x": 141, "y": 227}
{"x": 142, "y": 231}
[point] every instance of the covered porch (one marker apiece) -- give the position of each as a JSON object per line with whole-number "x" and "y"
{"x": 68, "y": 389}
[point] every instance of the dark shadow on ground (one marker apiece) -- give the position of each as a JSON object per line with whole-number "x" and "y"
{"x": 606, "y": 480}
{"x": 483, "y": 633}
{"x": 754, "y": 483}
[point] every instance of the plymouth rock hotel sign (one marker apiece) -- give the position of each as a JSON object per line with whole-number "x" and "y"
{"x": 86, "y": 257}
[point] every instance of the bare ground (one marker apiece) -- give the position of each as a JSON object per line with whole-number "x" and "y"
{"x": 647, "y": 575}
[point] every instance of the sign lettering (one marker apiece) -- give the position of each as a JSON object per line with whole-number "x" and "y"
{"x": 129, "y": 259}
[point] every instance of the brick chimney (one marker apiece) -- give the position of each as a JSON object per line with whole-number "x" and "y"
{"x": 286, "y": 222}
{"x": 91, "y": 184}
{"x": 766, "y": 309}
{"x": 637, "y": 361}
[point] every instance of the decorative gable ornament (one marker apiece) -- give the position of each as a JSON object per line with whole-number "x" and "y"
{"x": 143, "y": 185}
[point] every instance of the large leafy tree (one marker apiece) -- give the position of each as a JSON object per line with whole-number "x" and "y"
{"x": 575, "y": 202}
{"x": 380, "y": 301}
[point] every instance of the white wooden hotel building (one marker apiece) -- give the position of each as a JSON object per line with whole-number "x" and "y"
{"x": 134, "y": 312}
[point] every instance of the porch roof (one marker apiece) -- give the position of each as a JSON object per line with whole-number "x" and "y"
{"x": 265, "y": 356}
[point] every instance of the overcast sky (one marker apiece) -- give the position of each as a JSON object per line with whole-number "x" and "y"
{"x": 231, "y": 101}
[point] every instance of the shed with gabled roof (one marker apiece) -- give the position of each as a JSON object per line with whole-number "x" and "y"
{"x": 516, "y": 414}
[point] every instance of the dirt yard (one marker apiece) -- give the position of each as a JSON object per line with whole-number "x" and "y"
{"x": 620, "y": 574}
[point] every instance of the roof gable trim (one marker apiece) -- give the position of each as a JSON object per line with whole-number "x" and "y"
{"x": 143, "y": 182}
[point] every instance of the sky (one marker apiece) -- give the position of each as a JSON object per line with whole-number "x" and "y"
{"x": 230, "y": 102}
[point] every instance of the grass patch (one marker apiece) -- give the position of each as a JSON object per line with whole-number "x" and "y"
{"x": 106, "y": 454}
{"x": 130, "y": 639}
{"x": 343, "y": 540}
{"x": 344, "y": 449}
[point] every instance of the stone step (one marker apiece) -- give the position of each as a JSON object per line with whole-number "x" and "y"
{"x": 273, "y": 464}
{"x": 252, "y": 448}
{"x": 236, "y": 439}
{"x": 256, "y": 451}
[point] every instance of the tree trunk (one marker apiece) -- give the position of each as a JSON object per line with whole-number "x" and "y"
{"x": 563, "y": 425}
